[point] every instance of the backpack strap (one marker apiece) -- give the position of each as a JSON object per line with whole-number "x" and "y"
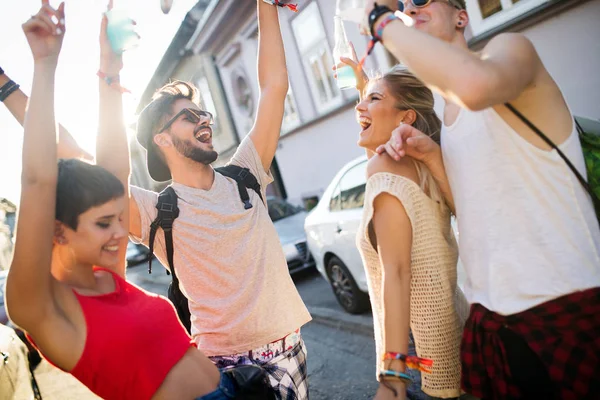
{"x": 550, "y": 143}
{"x": 167, "y": 213}
{"x": 245, "y": 180}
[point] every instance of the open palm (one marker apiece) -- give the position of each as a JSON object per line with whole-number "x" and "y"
{"x": 45, "y": 32}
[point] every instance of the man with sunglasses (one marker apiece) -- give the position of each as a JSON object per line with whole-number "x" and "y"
{"x": 529, "y": 237}
{"x": 227, "y": 256}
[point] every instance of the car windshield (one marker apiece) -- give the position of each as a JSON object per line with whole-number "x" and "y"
{"x": 279, "y": 209}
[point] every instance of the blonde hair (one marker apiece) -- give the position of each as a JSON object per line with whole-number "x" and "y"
{"x": 411, "y": 94}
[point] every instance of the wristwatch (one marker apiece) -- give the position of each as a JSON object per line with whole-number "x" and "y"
{"x": 374, "y": 15}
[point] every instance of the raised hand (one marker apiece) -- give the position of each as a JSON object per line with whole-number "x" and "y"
{"x": 370, "y": 5}
{"x": 45, "y": 32}
{"x": 111, "y": 63}
{"x": 361, "y": 77}
{"x": 409, "y": 141}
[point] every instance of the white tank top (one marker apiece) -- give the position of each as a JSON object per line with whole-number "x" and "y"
{"x": 527, "y": 228}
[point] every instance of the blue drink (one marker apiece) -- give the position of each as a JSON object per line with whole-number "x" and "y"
{"x": 121, "y": 31}
{"x": 346, "y": 78}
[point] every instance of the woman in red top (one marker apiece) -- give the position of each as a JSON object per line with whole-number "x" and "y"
{"x": 120, "y": 341}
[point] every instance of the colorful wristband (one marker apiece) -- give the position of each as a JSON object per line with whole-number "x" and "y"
{"x": 278, "y": 3}
{"x": 379, "y": 31}
{"x": 413, "y": 362}
{"x": 389, "y": 373}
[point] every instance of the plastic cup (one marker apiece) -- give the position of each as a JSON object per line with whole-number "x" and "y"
{"x": 121, "y": 31}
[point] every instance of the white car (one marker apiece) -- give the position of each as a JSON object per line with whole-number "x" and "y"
{"x": 331, "y": 229}
{"x": 331, "y": 233}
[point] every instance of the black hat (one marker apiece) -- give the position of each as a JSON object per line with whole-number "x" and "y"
{"x": 148, "y": 120}
{"x": 151, "y": 117}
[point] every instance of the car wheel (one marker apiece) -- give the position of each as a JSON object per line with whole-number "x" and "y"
{"x": 346, "y": 291}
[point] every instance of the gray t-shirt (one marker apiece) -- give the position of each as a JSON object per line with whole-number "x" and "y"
{"x": 229, "y": 261}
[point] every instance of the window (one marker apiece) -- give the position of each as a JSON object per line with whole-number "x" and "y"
{"x": 489, "y": 7}
{"x": 242, "y": 92}
{"x": 314, "y": 49}
{"x": 291, "y": 119}
{"x": 208, "y": 103}
{"x": 489, "y": 14}
{"x": 350, "y": 191}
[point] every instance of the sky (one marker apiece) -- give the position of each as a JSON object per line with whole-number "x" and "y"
{"x": 76, "y": 81}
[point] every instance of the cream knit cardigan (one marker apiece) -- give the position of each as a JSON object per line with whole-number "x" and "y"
{"x": 437, "y": 307}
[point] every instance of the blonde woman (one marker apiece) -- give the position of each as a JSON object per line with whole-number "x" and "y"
{"x": 408, "y": 247}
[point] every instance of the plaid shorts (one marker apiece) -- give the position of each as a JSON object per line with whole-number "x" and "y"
{"x": 284, "y": 361}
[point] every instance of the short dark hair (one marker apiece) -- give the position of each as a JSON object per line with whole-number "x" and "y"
{"x": 82, "y": 186}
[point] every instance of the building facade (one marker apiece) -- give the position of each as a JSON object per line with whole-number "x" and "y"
{"x": 319, "y": 130}
{"x": 8, "y": 215}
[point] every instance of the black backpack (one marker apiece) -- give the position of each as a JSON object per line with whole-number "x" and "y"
{"x": 168, "y": 212}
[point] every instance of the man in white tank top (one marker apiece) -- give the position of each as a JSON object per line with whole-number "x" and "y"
{"x": 529, "y": 236}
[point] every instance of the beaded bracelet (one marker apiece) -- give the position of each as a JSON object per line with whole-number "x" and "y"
{"x": 278, "y": 3}
{"x": 7, "y": 89}
{"x": 413, "y": 362}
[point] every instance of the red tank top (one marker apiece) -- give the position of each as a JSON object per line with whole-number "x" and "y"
{"x": 134, "y": 338}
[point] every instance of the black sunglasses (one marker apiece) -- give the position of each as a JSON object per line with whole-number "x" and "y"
{"x": 425, "y": 3}
{"x": 193, "y": 115}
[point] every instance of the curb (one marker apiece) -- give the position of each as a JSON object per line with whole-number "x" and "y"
{"x": 359, "y": 324}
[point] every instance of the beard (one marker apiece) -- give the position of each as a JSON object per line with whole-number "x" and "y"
{"x": 187, "y": 149}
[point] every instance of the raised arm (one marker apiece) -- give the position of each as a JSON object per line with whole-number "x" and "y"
{"x": 507, "y": 66}
{"x": 273, "y": 84}
{"x": 29, "y": 286}
{"x": 112, "y": 145}
{"x": 16, "y": 103}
